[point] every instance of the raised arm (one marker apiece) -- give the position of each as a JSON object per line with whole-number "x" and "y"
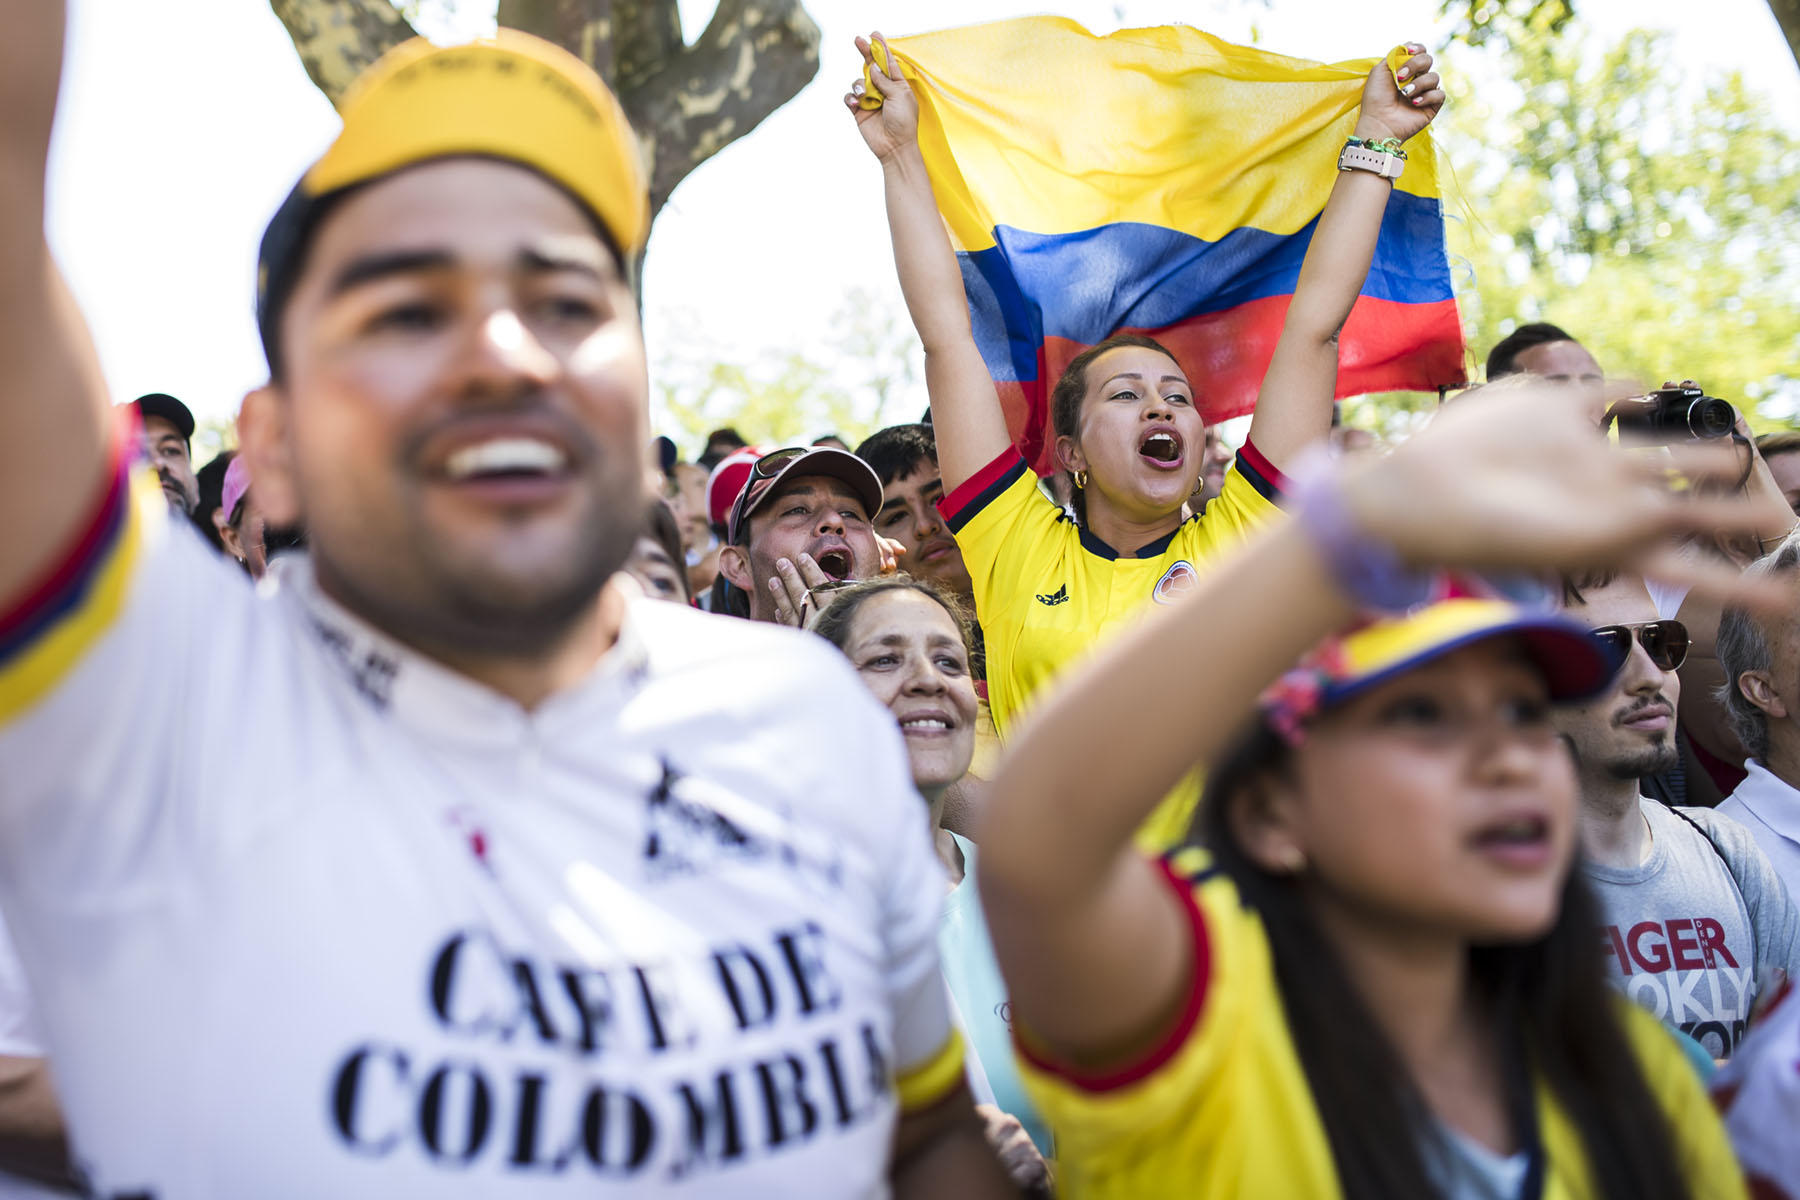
{"x": 965, "y": 410}
{"x": 52, "y": 400}
{"x": 1093, "y": 945}
{"x": 1293, "y": 407}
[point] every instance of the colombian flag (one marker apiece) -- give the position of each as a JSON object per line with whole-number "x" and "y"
{"x": 1162, "y": 181}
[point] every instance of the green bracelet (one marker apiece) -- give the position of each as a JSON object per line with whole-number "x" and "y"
{"x": 1380, "y": 145}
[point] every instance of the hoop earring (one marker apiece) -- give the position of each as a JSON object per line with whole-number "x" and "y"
{"x": 1081, "y": 480}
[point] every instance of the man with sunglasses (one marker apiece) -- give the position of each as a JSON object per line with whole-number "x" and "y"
{"x": 1695, "y": 924}
{"x": 801, "y": 528}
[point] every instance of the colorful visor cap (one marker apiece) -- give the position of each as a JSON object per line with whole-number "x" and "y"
{"x": 1573, "y": 665}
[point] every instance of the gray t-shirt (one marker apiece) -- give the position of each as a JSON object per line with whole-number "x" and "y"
{"x": 1688, "y": 933}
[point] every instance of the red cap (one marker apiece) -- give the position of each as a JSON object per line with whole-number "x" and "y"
{"x": 726, "y": 481}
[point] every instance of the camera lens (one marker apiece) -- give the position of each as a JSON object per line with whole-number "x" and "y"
{"x": 1710, "y": 417}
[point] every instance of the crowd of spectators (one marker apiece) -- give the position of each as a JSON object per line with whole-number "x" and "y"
{"x": 548, "y": 812}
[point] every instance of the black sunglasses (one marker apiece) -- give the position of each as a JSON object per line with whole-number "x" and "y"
{"x": 1666, "y": 642}
{"x": 766, "y": 467}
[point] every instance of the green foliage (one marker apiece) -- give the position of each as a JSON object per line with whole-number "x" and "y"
{"x": 860, "y": 374}
{"x": 1479, "y": 22}
{"x": 1648, "y": 213}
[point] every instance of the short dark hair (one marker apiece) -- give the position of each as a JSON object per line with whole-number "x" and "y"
{"x": 1503, "y": 358}
{"x": 711, "y": 455}
{"x": 1783, "y": 441}
{"x": 898, "y": 450}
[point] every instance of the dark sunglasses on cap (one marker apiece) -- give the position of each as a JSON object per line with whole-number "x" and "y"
{"x": 1666, "y": 642}
{"x": 770, "y": 465}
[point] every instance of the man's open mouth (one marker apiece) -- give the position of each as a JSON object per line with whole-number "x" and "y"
{"x": 837, "y": 563}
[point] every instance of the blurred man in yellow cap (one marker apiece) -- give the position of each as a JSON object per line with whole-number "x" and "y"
{"x": 512, "y": 884}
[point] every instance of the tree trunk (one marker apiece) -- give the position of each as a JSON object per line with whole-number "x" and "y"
{"x": 336, "y": 39}
{"x": 754, "y": 56}
{"x": 1787, "y": 15}
{"x": 686, "y": 103}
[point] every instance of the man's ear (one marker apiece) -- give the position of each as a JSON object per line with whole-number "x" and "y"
{"x": 734, "y": 565}
{"x": 265, "y": 439}
{"x": 1759, "y": 689}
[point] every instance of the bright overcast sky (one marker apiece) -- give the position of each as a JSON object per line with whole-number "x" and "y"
{"x": 184, "y": 123}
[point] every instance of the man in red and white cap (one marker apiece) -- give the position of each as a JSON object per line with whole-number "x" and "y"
{"x": 518, "y": 886}
{"x": 801, "y": 526}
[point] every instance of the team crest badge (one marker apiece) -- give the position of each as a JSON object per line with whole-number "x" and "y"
{"x": 1178, "y": 579}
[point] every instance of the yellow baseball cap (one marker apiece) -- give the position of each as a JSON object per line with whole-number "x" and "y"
{"x": 513, "y": 97}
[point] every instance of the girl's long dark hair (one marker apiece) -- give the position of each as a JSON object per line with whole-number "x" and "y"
{"x": 1550, "y": 1003}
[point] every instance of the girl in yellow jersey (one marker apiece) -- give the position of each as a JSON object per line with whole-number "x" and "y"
{"x": 1123, "y": 416}
{"x": 1376, "y": 976}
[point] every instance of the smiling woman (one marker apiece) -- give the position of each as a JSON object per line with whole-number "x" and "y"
{"x": 910, "y": 643}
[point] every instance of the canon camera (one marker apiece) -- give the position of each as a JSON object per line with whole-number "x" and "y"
{"x": 1673, "y": 414}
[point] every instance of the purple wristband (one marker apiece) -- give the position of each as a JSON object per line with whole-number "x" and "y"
{"x": 1365, "y": 567}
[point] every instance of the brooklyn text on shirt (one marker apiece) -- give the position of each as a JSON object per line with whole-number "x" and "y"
{"x": 1683, "y": 972}
{"x": 628, "y": 1071}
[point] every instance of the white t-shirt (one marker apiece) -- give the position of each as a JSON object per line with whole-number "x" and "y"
{"x": 309, "y": 915}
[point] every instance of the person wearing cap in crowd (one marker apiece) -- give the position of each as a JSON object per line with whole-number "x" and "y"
{"x": 721, "y": 444}
{"x": 210, "y": 480}
{"x": 1375, "y": 975}
{"x": 534, "y": 888}
{"x": 239, "y": 522}
{"x": 1695, "y": 924}
{"x": 167, "y": 429}
{"x": 799, "y": 528}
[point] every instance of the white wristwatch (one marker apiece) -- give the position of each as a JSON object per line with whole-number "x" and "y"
{"x": 1376, "y": 162}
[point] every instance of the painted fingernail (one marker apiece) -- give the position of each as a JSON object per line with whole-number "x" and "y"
{"x": 1418, "y": 100}
{"x": 1408, "y": 89}
{"x": 1403, "y": 73}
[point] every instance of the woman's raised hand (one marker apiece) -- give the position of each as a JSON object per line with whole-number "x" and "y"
{"x": 1521, "y": 477}
{"x": 893, "y": 125}
{"x": 1398, "y": 104}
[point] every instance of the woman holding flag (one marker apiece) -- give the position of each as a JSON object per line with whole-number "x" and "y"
{"x": 1123, "y": 413}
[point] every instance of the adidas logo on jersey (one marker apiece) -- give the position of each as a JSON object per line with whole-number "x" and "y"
{"x": 1059, "y": 596}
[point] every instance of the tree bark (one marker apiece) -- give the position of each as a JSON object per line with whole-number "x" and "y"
{"x": 337, "y": 39}
{"x": 686, "y": 103}
{"x": 754, "y": 56}
{"x": 1787, "y": 15}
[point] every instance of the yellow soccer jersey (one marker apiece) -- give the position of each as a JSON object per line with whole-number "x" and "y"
{"x": 1047, "y": 590}
{"x": 1222, "y": 1109}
